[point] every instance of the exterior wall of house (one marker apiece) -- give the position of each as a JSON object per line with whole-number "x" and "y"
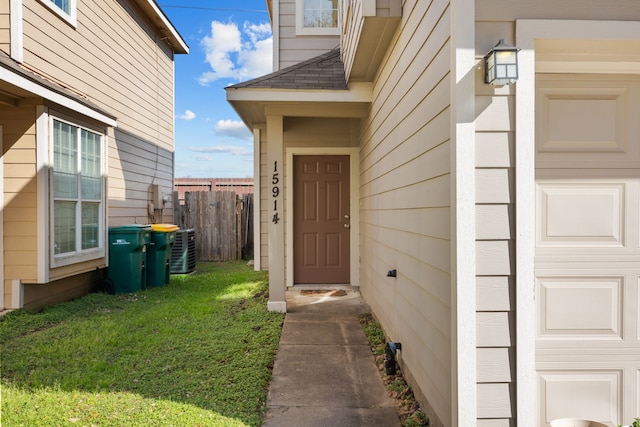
{"x": 21, "y": 258}
{"x": 5, "y": 26}
{"x": 354, "y": 13}
{"x": 496, "y": 203}
{"x": 405, "y": 201}
{"x": 115, "y": 59}
{"x": 495, "y": 246}
{"x": 295, "y": 48}
{"x": 20, "y": 196}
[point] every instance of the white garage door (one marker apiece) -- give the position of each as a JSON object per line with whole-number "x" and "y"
{"x": 588, "y": 247}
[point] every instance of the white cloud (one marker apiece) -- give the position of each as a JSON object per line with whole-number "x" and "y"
{"x": 187, "y": 115}
{"x": 237, "y": 55}
{"x": 203, "y": 158}
{"x": 220, "y": 149}
{"x": 232, "y": 128}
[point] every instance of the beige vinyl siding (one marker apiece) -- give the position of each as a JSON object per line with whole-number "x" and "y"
{"x": 495, "y": 199}
{"x": 110, "y": 60}
{"x": 136, "y": 162}
{"x": 294, "y": 48}
{"x": 114, "y": 59}
{"x": 314, "y": 132}
{"x": 352, "y": 14}
{"x": 5, "y": 28}
{"x": 20, "y": 195}
{"x": 405, "y": 178}
{"x": 21, "y": 202}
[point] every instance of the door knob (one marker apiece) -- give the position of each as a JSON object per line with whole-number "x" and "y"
{"x": 346, "y": 217}
{"x": 347, "y": 226}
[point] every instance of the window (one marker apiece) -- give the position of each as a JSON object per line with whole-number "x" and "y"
{"x": 317, "y": 16}
{"x": 66, "y": 9}
{"x": 320, "y": 14}
{"x": 78, "y": 195}
{"x": 65, "y": 5}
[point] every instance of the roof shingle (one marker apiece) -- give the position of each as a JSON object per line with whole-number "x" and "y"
{"x": 325, "y": 71}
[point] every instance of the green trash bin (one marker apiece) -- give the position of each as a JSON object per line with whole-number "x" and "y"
{"x": 128, "y": 257}
{"x": 159, "y": 254}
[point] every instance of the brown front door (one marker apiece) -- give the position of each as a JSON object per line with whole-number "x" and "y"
{"x": 321, "y": 219}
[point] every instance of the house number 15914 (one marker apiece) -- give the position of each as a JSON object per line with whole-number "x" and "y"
{"x": 275, "y": 192}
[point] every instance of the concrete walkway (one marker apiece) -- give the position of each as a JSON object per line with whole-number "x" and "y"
{"x": 324, "y": 373}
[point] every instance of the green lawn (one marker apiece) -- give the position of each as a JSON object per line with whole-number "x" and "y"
{"x": 197, "y": 352}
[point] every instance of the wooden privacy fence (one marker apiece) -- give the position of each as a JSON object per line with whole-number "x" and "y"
{"x": 222, "y": 221}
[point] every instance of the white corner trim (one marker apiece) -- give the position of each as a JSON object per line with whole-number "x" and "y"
{"x": 43, "y": 209}
{"x": 17, "y": 294}
{"x": 17, "y": 34}
{"x": 354, "y": 205}
{"x": 527, "y": 31}
{"x": 525, "y": 240}
{"x": 464, "y": 399}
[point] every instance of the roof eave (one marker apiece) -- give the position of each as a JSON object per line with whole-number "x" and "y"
{"x": 253, "y": 104}
{"x": 14, "y": 76}
{"x": 171, "y": 35}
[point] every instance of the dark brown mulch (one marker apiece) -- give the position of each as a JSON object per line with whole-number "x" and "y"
{"x": 407, "y": 407}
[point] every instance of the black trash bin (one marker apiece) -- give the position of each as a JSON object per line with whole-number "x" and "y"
{"x": 159, "y": 254}
{"x": 128, "y": 257}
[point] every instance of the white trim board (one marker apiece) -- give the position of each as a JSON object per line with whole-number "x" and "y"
{"x": 464, "y": 390}
{"x": 28, "y": 85}
{"x": 17, "y": 34}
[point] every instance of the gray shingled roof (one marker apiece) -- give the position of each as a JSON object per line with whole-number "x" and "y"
{"x": 322, "y": 72}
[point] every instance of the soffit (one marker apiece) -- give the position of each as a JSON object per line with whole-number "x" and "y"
{"x": 253, "y": 105}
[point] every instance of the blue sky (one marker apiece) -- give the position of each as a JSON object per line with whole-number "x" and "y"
{"x": 229, "y": 42}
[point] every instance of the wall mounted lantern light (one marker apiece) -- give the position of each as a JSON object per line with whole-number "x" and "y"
{"x": 501, "y": 64}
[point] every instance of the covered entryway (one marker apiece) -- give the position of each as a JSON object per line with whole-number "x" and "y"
{"x": 587, "y": 262}
{"x": 322, "y": 219}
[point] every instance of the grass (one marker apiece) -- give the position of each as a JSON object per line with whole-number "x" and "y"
{"x": 197, "y": 352}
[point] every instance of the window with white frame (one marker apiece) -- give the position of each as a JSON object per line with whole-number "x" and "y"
{"x": 66, "y": 9}
{"x": 317, "y": 16}
{"x": 77, "y": 193}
